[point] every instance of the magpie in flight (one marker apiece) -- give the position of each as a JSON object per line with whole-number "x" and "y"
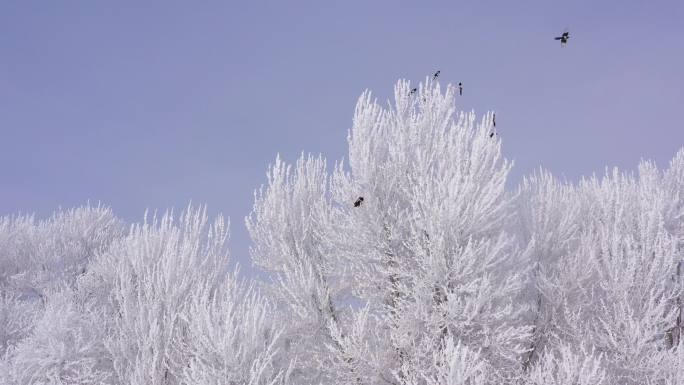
{"x": 563, "y": 38}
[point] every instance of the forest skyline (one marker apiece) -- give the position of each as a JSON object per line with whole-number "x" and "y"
{"x": 411, "y": 265}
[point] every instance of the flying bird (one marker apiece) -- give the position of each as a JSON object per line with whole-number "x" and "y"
{"x": 563, "y": 38}
{"x": 436, "y": 75}
{"x": 358, "y": 202}
{"x": 460, "y": 88}
{"x": 413, "y": 91}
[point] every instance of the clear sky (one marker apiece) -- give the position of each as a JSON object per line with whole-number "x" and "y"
{"x": 153, "y": 104}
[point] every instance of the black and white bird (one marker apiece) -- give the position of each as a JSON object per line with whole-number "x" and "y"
{"x": 413, "y": 91}
{"x": 460, "y": 88}
{"x": 436, "y": 75}
{"x": 563, "y": 38}
{"x": 358, "y": 202}
{"x": 491, "y": 135}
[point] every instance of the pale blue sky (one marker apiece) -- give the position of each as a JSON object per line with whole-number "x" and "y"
{"x": 151, "y": 105}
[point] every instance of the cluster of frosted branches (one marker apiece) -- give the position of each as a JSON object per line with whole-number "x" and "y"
{"x": 438, "y": 276}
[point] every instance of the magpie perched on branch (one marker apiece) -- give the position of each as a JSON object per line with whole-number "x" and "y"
{"x": 491, "y": 134}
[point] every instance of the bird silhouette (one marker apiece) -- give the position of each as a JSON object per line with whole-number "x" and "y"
{"x": 436, "y": 75}
{"x": 460, "y": 88}
{"x": 358, "y": 202}
{"x": 563, "y": 38}
{"x": 413, "y": 91}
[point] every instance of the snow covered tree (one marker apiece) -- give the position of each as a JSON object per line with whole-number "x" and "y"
{"x": 607, "y": 271}
{"x": 426, "y": 253}
{"x": 156, "y": 306}
{"x": 38, "y": 261}
{"x": 289, "y": 225}
{"x": 632, "y": 305}
{"x": 547, "y": 228}
{"x": 173, "y": 313}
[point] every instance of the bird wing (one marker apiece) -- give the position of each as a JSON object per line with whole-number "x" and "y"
{"x": 557, "y": 38}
